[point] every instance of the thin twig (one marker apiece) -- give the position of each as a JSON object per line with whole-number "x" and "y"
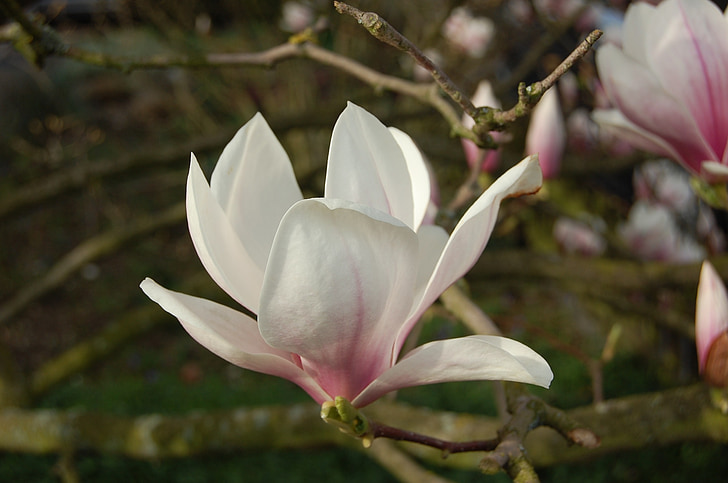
{"x": 539, "y": 48}
{"x": 379, "y": 430}
{"x": 426, "y": 93}
{"x": 528, "y": 96}
{"x": 384, "y": 32}
{"x": 486, "y": 119}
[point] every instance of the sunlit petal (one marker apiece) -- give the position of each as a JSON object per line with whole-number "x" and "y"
{"x": 419, "y": 175}
{"x": 367, "y": 166}
{"x": 254, "y": 184}
{"x": 478, "y": 357}
{"x": 339, "y": 284}
{"x": 220, "y": 249}
{"x": 468, "y": 239}
{"x": 231, "y": 335}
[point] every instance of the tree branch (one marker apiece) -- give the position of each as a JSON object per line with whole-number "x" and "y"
{"x": 425, "y": 93}
{"x": 630, "y": 423}
{"x": 384, "y": 32}
{"x": 397, "y": 462}
{"x": 528, "y": 96}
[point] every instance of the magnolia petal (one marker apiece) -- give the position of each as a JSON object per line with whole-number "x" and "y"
{"x": 478, "y": 357}
{"x": 432, "y": 240}
{"x": 636, "y": 92}
{"x": 231, "y": 335}
{"x": 615, "y": 123}
{"x": 221, "y": 251}
{"x": 711, "y": 311}
{"x": 468, "y": 239}
{"x": 634, "y": 31}
{"x": 367, "y": 166}
{"x": 419, "y": 174}
{"x": 687, "y": 51}
{"x": 340, "y": 282}
{"x": 254, "y": 184}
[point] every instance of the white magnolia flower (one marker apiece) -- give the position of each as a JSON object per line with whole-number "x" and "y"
{"x": 338, "y": 282}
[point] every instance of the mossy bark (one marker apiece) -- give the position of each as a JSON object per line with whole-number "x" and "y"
{"x": 682, "y": 414}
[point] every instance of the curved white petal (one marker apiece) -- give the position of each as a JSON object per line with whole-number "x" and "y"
{"x": 636, "y": 92}
{"x": 366, "y": 166}
{"x": 231, "y": 335}
{"x": 478, "y": 357}
{"x": 419, "y": 175}
{"x": 468, "y": 239}
{"x": 711, "y": 311}
{"x": 432, "y": 240}
{"x": 220, "y": 249}
{"x": 254, "y": 184}
{"x": 339, "y": 284}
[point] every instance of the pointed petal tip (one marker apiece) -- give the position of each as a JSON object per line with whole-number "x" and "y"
{"x": 531, "y": 178}
{"x": 149, "y": 287}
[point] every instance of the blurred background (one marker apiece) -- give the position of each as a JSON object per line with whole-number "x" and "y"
{"x": 93, "y": 162}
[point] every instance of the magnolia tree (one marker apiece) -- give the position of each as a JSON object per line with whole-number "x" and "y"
{"x": 360, "y": 277}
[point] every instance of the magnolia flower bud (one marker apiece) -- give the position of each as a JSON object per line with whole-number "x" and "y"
{"x": 711, "y": 327}
{"x": 547, "y": 133}
{"x": 488, "y": 159}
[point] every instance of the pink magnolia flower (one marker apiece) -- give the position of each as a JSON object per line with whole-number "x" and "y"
{"x": 488, "y": 159}
{"x": 547, "y": 133}
{"x": 663, "y": 183}
{"x": 470, "y": 34}
{"x": 338, "y": 282}
{"x": 669, "y": 84}
{"x": 651, "y": 233}
{"x": 574, "y": 236}
{"x": 711, "y": 326}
